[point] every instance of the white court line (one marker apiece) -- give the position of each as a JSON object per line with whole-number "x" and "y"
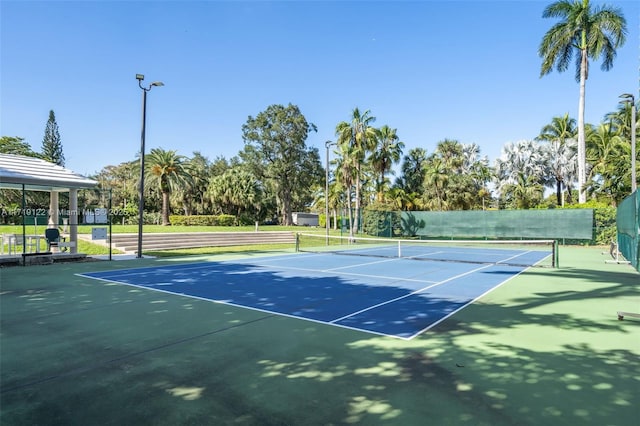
{"x": 333, "y": 322}
{"x": 520, "y": 254}
{"x": 334, "y": 273}
{"x": 450, "y": 314}
{"x": 333, "y": 270}
{"x": 410, "y": 294}
{"x": 275, "y": 268}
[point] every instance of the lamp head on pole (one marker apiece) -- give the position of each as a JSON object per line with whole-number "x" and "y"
{"x": 628, "y": 97}
{"x": 140, "y": 78}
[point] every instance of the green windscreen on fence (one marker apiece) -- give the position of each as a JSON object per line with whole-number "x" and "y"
{"x": 547, "y": 224}
{"x": 628, "y": 224}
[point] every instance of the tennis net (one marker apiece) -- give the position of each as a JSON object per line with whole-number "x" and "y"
{"x": 504, "y": 252}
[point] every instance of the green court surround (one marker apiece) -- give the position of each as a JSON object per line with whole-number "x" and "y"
{"x": 545, "y": 348}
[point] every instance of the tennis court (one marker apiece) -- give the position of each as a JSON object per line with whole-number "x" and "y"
{"x": 543, "y": 347}
{"x": 370, "y": 290}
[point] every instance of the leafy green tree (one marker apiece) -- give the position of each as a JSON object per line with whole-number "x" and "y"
{"x": 561, "y": 152}
{"x": 169, "y": 172}
{"x": 219, "y": 165}
{"x": 122, "y": 182}
{"x": 586, "y": 33}
{"x": 16, "y": 145}
{"x": 10, "y": 197}
{"x": 51, "y": 143}
{"x": 275, "y": 152}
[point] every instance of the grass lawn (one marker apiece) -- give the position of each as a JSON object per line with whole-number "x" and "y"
{"x": 91, "y": 249}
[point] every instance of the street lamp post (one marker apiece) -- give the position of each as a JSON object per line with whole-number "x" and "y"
{"x": 629, "y": 98}
{"x": 140, "y": 77}
{"x": 327, "y": 144}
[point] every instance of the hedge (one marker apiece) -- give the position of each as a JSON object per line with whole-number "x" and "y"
{"x": 204, "y": 220}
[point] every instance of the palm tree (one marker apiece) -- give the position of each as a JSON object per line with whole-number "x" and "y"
{"x": 412, "y": 178}
{"x": 451, "y": 153}
{"x": 237, "y": 192}
{"x": 193, "y": 196}
{"x": 346, "y": 171}
{"x": 560, "y": 134}
{"x": 456, "y": 177}
{"x": 521, "y": 162}
{"x": 436, "y": 178}
{"x": 524, "y": 193}
{"x": 621, "y": 119}
{"x": 621, "y": 124}
{"x": 586, "y": 33}
{"x": 609, "y": 156}
{"x": 357, "y": 138}
{"x": 169, "y": 171}
{"x": 387, "y": 152}
{"x": 477, "y": 170}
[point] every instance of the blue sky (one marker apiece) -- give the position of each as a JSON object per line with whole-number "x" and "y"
{"x": 464, "y": 70}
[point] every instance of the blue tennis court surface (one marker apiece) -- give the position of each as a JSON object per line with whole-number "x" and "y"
{"x": 392, "y": 297}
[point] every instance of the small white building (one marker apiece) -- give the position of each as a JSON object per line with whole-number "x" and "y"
{"x": 306, "y": 219}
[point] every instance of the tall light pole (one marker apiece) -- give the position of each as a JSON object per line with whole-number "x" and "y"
{"x": 140, "y": 77}
{"x": 629, "y": 98}
{"x": 327, "y": 144}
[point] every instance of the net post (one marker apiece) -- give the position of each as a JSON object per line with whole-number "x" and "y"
{"x": 297, "y": 242}
{"x": 555, "y": 262}
{"x": 399, "y": 250}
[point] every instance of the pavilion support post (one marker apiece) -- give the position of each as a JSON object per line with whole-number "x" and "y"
{"x": 24, "y": 220}
{"x": 53, "y": 210}
{"x": 73, "y": 219}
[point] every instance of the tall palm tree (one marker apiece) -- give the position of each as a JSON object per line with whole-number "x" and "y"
{"x": 621, "y": 122}
{"x": 479, "y": 173}
{"x": 621, "y": 119}
{"x": 169, "y": 171}
{"x": 387, "y": 152}
{"x": 560, "y": 133}
{"x": 436, "y": 178}
{"x": 346, "y": 172}
{"x": 609, "y": 155}
{"x": 586, "y": 33}
{"x": 357, "y": 138}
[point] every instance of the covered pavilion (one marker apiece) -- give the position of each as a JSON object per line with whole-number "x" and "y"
{"x": 34, "y": 174}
